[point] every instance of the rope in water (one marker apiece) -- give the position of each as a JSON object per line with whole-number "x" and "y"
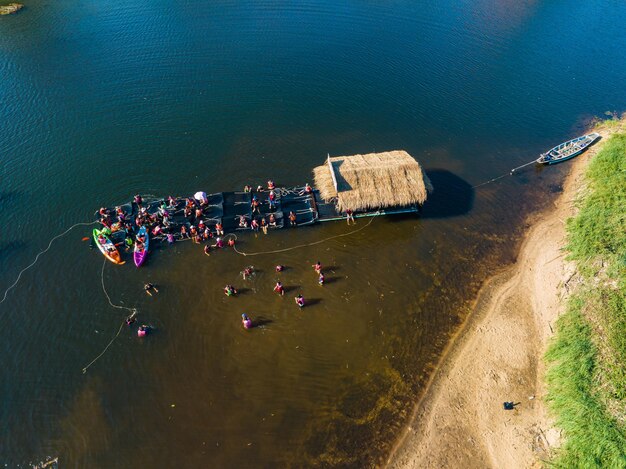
{"x": 510, "y": 173}
{"x": 40, "y": 253}
{"x": 132, "y": 310}
{"x": 276, "y": 251}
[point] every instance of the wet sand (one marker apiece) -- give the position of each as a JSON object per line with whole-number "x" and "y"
{"x": 498, "y": 356}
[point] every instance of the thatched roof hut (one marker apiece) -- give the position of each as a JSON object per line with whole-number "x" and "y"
{"x": 372, "y": 181}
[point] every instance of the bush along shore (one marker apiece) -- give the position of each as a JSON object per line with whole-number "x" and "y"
{"x": 586, "y": 360}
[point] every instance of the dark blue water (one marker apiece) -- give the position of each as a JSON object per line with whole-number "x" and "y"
{"x": 101, "y": 101}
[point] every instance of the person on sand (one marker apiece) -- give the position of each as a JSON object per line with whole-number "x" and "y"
{"x": 350, "y": 216}
{"x": 318, "y": 267}
{"x": 278, "y": 288}
{"x": 320, "y": 280}
{"x": 246, "y": 322}
{"x": 207, "y": 250}
{"x": 299, "y": 300}
{"x": 148, "y": 288}
{"x": 229, "y": 290}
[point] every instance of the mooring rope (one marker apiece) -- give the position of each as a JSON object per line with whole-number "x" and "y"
{"x": 510, "y": 173}
{"x": 302, "y": 245}
{"x": 132, "y": 310}
{"x": 40, "y": 253}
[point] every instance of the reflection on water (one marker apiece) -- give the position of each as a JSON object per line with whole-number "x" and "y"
{"x": 102, "y": 102}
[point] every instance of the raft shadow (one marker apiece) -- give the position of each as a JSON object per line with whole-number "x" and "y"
{"x": 452, "y": 195}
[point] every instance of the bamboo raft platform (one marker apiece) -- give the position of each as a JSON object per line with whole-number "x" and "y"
{"x": 367, "y": 185}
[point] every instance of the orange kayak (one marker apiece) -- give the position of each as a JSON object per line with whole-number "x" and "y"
{"x": 107, "y": 247}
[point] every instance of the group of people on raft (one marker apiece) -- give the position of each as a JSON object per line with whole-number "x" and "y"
{"x": 247, "y": 323}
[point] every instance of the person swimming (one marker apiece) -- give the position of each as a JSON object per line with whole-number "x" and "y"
{"x": 278, "y": 288}
{"x": 320, "y": 280}
{"x": 270, "y": 185}
{"x": 247, "y": 272}
{"x": 130, "y": 319}
{"x": 280, "y": 268}
{"x": 246, "y": 321}
{"x": 299, "y": 300}
{"x": 143, "y": 330}
{"x": 148, "y": 287}
{"x": 229, "y": 290}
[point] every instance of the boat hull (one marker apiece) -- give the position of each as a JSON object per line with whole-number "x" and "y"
{"x": 108, "y": 249}
{"x": 139, "y": 256}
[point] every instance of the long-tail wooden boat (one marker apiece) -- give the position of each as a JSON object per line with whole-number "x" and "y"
{"x": 568, "y": 150}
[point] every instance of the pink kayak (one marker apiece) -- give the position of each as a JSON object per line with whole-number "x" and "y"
{"x": 142, "y": 241}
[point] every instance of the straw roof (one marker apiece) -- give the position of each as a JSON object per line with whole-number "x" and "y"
{"x": 372, "y": 181}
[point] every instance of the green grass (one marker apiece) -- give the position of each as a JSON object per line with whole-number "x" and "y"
{"x": 587, "y": 358}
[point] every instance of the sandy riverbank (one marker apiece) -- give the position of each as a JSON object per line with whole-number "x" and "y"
{"x": 497, "y": 357}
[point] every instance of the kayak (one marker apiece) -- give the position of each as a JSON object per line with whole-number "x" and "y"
{"x": 107, "y": 247}
{"x": 140, "y": 254}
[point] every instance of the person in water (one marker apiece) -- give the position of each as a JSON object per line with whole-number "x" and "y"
{"x": 292, "y": 218}
{"x": 264, "y": 225}
{"x": 254, "y": 225}
{"x": 318, "y": 267}
{"x": 278, "y": 288}
{"x": 170, "y": 238}
{"x": 246, "y": 322}
{"x": 320, "y": 280}
{"x": 247, "y": 272}
{"x": 143, "y": 330}
{"x": 272, "y": 220}
{"x": 148, "y": 287}
{"x": 280, "y": 268}
{"x": 350, "y": 216}
{"x": 207, "y": 250}
{"x": 299, "y": 300}
{"x": 138, "y": 201}
{"x": 231, "y": 242}
{"x": 229, "y": 290}
{"x": 219, "y": 243}
{"x": 270, "y": 185}
{"x": 219, "y": 229}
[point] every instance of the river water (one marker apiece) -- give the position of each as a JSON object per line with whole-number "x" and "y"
{"x": 100, "y": 101}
